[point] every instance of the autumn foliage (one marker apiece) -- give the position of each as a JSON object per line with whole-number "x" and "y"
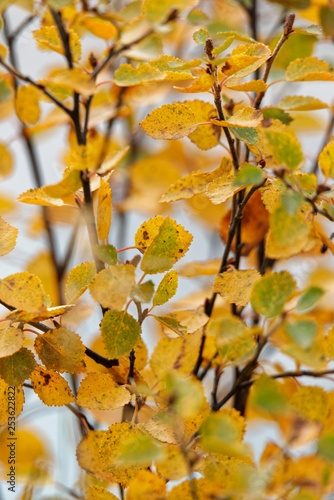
{"x": 184, "y": 111}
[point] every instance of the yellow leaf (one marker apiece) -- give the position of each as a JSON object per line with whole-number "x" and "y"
{"x": 326, "y": 160}
{"x": 11, "y": 340}
{"x": 309, "y": 69}
{"x": 311, "y": 403}
{"x": 78, "y": 280}
{"x": 8, "y": 394}
{"x": 252, "y": 86}
{"x": 8, "y": 235}
{"x": 175, "y": 354}
{"x": 26, "y": 104}
{"x": 33, "y": 457}
{"x": 171, "y": 121}
{"x": 43, "y": 267}
{"x": 47, "y": 313}
{"x": 38, "y": 197}
{"x": 235, "y": 286}
{"x": 70, "y": 184}
{"x": 245, "y": 117}
{"x": 205, "y": 136}
{"x": 201, "y": 84}
{"x": 183, "y": 322}
{"x": 99, "y": 391}
{"x": 173, "y": 466}
{"x": 99, "y": 493}
{"x": 23, "y": 291}
{"x": 245, "y": 59}
{"x": 98, "y": 451}
{"x": 222, "y": 188}
{"x": 99, "y": 27}
{"x": 126, "y": 75}
{"x": 195, "y": 182}
{"x": 301, "y": 103}
{"x": 147, "y": 232}
{"x": 153, "y": 174}
{"x": 194, "y": 269}
{"x": 104, "y": 208}
{"x": 51, "y": 387}
{"x": 61, "y": 350}
{"x": 111, "y": 286}
{"x": 48, "y": 38}
{"x": 75, "y": 79}
{"x": 6, "y": 162}
{"x": 146, "y": 484}
{"x": 89, "y": 456}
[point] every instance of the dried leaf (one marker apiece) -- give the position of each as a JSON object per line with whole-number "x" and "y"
{"x": 61, "y": 350}
{"x": 51, "y": 387}
{"x": 98, "y": 391}
{"x": 236, "y": 286}
{"x": 111, "y": 286}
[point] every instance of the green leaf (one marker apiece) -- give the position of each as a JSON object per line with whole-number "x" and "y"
{"x": 285, "y": 148}
{"x": 170, "y": 244}
{"x": 247, "y": 135}
{"x": 140, "y": 449}
{"x": 309, "y": 298}
{"x": 166, "y": 289}
{"x": 221, "y": 433}
{"x": 234, "y": 341}
{"x": 172, "y": 323}
{"x": 106, "y": 253}
{"x": 186, "y": 395}
{"x": 267, "y": 395}
{"x": 249, "y": 175}
{"x": 120, "y": 333}
{"x": 271, "y": 292}
{"x": 200, "y": 36}
{"x": 15, "y": 369}
{"x": 277, "y": 114}
{"x": 326, "y": 445}
{"x": 291, "y": 202}
{"x": 297, "y": 45}
{"x": 301, "y": 332}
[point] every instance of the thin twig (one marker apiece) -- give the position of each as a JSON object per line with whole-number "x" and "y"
{"x": 14, "y": 72}
{"x": 287, "y": 30}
